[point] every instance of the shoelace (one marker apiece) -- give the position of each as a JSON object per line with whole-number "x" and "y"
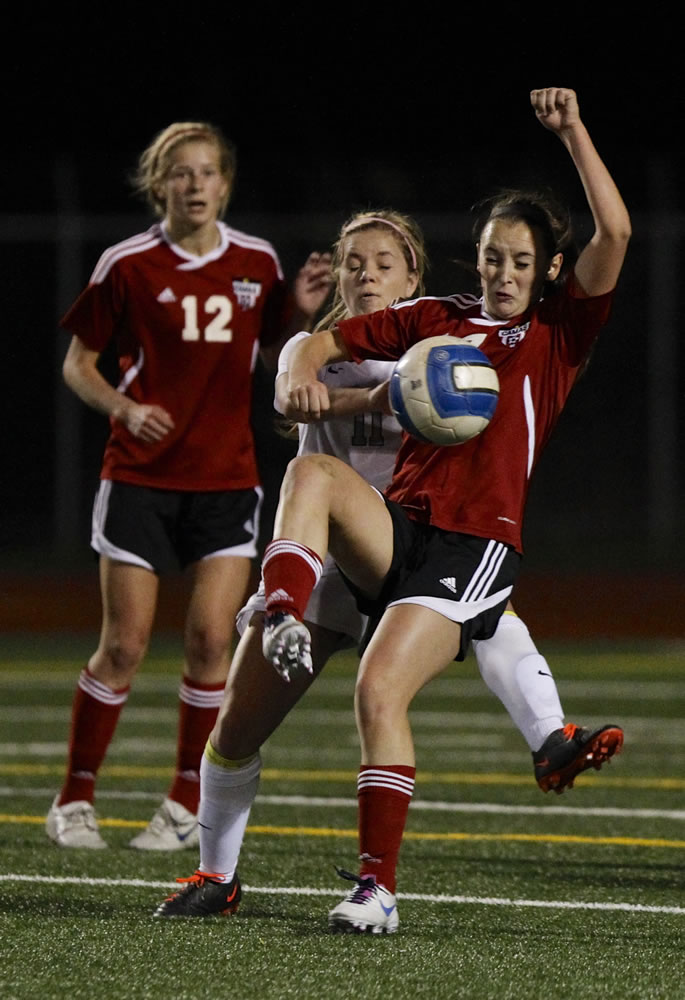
{"x": 201, "y": 877}
{"x": 365, "y": 885}
{"x": 197, "y": 878}
{"x": 571, "y": 730}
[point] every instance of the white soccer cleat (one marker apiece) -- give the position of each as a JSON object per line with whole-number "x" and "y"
{"x": 73, "y": 825}
{"x": 368, "y": 909}
{"x": 286, "y": 644}
{"x": 172, "y": 828}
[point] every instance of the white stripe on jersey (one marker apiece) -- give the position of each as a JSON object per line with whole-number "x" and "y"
{"x": 200, "y": 699}
{"x": 428, "y": 298}
{"x": 156, "y": 235}
{"x": 133, "y": 372}
{"x": 374, "y": 778}
{"x": 530, "y": 420}
{"x": 135, "y": 244}
{"x": 100, "y": 692}
{"x": 466, "y": 300}
{"x": 253, "y": 243}
{"x": 462, "y": 299}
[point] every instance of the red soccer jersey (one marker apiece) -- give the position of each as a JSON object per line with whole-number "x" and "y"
{"x": 187, "y": 331}
{"x": 480, "y": 487}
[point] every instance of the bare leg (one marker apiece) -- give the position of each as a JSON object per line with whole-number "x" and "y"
{"x": 129, "y": 599}
{"x": 411, "y": 645}
{"x": 256, "y": 700}
{"x": 324, "y": 505}
{"x": 219, "y": 586}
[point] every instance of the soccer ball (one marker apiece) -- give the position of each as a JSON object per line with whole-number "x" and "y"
{"x": 444, "y": 390}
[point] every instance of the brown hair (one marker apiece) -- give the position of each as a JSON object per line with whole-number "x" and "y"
{"x": 541, "y": 211}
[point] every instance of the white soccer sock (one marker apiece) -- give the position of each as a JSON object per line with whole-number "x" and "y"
{"x": 227, "y": 791}
{"x": 521, "y": 678}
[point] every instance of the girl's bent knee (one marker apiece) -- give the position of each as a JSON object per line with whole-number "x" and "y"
{"x": 307, "y": 468}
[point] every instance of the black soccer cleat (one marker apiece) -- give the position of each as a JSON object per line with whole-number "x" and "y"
{"x": 202, "y": 896}
{"x": 569, "y": 751}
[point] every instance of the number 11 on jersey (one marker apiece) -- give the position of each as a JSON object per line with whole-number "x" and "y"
{"x": 375, "y": 438}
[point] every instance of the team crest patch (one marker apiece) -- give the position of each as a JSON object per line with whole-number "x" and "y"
{"x": 513, "y": 335}
{"x": 247, "y": 292}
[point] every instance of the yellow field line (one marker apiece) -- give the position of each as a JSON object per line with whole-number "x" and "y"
{"x": 292, "y": 774}
{"x": 318, "y": 831}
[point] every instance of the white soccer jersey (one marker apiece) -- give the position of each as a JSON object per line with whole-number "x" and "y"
{"x": 368, "y": 442}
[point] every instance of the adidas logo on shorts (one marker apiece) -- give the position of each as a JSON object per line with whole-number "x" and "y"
{"x": 449, "y": 582}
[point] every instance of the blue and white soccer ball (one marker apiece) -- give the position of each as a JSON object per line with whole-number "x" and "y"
{"x": 444, "y": 390}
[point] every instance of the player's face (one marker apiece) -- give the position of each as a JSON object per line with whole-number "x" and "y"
{"x": 374, "y": 272}
{"x": 513, "y": 267}
{"x": 194, "y": 188}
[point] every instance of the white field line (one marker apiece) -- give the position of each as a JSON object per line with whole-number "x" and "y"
{"x": 443, "y": 687}
{"x": 658, "y": 729}
{"x": 554, "y": 904}
{"x": 331, "y": 802}
{"x": 346, "y": 753}
{"x": 49, "y": 713}
{"x": 155, "y": 751}
{"x": 475, "y": 739}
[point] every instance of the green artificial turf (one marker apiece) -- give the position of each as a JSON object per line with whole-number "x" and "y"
{"x": 503, "y": 892}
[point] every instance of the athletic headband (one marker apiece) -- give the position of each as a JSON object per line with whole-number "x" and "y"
{"x": 385, "y": 222}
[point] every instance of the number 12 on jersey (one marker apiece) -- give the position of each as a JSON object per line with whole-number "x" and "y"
{"x": 217, "y": 331}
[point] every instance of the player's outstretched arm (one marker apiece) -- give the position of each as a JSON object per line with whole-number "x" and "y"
{"x": 348, "y": 402}
{"x": 344, "y": 401}
{"x": 600, "y": 262}
{"x": 145, "y": 421}
{"x": 307, "y": 397}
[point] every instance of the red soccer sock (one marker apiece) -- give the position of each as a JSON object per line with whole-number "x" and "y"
{"x": 94, "y": 716}
{"x": 290, "y": 571}
{"x": 198, "y": 708}
{"x": 384, "y": 794}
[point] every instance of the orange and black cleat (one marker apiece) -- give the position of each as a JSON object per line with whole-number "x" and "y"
{"x": 569, "y": 751}
{"x": 203, "y": 895}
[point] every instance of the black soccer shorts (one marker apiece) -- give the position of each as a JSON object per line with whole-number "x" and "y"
{"x": 463, "y": 577}
{"x": 163, "y": 530}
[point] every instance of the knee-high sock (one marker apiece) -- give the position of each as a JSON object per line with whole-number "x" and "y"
{"x": 290, "y": 571}
{"x": 94, "y": 715}
{"x": 521, "y": 678}
{"x": 199, "y": 706}
{"x": 384, "y": 794}
{"x": 227, "y": 791}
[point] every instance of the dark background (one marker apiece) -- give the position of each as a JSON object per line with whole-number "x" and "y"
{"x": 422, "y": 109}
